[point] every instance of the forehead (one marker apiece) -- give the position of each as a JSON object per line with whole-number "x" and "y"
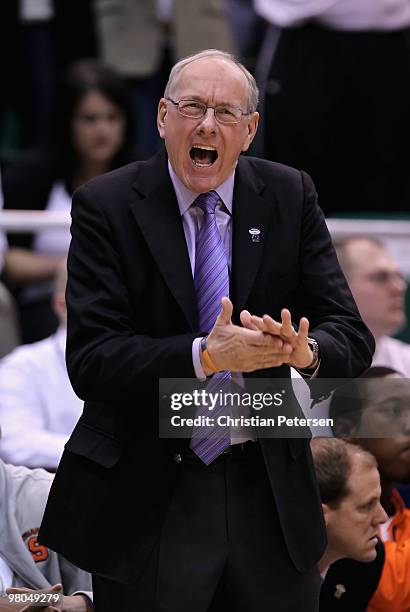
{"x": 95, "y": 99}
{"x": 212, "y": 78}
{"x": 363, "y": 483}
{"x": 381, "y": 390}
{"x": 368, "y": 257}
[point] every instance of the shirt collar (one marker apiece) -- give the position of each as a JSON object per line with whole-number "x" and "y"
{"x": 186, "y": 197}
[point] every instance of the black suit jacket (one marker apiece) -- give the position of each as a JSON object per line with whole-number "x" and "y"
{"x": 132, "y": 318}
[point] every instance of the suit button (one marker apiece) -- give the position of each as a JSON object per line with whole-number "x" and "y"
{"x": 177, "y": 458}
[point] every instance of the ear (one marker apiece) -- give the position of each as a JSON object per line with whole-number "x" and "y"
{"x": 161, "y": 115}
{"x": 253, "y": 122}
{"x": 326, "y": 513}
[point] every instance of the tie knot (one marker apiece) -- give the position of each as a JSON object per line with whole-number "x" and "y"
{"x": 207, "y": 202}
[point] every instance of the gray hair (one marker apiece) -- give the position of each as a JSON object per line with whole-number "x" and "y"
{"x": 253, "y": 95}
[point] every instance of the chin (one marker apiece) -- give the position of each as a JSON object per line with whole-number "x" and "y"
{"x": 366, "y": 556}
{"x": 201, "y": 184}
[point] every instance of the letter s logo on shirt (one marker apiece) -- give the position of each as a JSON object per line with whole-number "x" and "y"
{"x": 38, "y": 552}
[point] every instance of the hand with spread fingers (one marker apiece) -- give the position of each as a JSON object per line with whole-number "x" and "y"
{"x": 244, "y": 349}
{"x": 301, "y": 355}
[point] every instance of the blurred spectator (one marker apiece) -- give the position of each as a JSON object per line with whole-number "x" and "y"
{"x": 23, "y": 561}
{"x": 338, "y": 99}
{"x": 93, "y": 133}
{"x": 38, "y": 407}
{"x": 9, "y": 335}
{"x": 379, "y": 289}
{"x": 349, "y": 485}
{"x": 143, "y": 39}
{"x": 248, "y": 29}
{"x": 381, "y": 406}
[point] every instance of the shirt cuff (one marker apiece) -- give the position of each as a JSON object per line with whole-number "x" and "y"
{"x": 196, "y": 359}
{"x": 307, "y": 373}
{"x": 88, "y": 595}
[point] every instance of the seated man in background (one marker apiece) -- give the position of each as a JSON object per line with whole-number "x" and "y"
{"x": 379, "y": 289}
{"x": 23, "y": 562}
{"x": 379, "y": 405}
{"x": 38, "y": 407}
{"x": 349, "y": 485}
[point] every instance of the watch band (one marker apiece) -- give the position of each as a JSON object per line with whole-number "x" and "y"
{"x": 314, "y": 347}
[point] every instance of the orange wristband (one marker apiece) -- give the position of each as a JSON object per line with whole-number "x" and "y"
{"x": 206, "y": 357}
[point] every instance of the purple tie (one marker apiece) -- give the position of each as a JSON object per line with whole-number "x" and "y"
{"x": 211, "y": 280}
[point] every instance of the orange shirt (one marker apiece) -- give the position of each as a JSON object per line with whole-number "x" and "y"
{"x": 393, "y": 591}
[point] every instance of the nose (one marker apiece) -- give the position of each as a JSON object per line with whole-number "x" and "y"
{"x": 380, "y": 515}
{"x": 398, "y": 283}
{"x": 404, "y": 422}
{"x": 208, "y": 122}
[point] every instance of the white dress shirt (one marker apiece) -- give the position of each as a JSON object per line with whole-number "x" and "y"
{"x": 337, "y": 14}
{"x": 38, "y": 407}
{"x": 57, "y": 240}
{"x": 392, "y": 353}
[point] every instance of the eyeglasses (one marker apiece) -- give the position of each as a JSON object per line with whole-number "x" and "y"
{"x": 383, "y": 277}
{"x": 193, "y": 109}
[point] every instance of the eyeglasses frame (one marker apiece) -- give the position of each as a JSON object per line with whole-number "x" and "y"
{"x": 177, "y": 103}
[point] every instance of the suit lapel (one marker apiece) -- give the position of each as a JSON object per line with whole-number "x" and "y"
{"x": 250, "y": 212}
{"x": 158, "y": 217}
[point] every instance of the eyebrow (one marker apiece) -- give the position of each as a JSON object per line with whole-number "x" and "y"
{"x": 199, "y": 99}
{"x": 372, "y": 500}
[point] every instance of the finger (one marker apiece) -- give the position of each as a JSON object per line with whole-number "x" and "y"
{"x": 258, "y": 323}
{"x": 273, "y": 327}
{"x": 266, "y": 325}
{"x": 303, "y": 331}
{"x": 246, "y": 320}
{"x": 225, "y": 316}
{"x": 287, "y": 327}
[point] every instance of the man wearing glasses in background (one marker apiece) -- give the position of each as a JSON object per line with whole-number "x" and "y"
{"x": 173, "y": 263}
{"x": 379, "y": 289}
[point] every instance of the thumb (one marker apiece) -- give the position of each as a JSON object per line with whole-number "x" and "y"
{"x": 224, "y": 317}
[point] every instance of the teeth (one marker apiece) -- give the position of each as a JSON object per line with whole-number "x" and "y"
{"x": 204, "y": 147}
{"x": 202, "y": 165}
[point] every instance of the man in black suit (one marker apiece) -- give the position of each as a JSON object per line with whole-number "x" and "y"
{"x": 159, "y": 528}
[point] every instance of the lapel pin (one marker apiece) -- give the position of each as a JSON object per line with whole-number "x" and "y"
{"x": 255, "y": 234}
{"x": 340, "y": 590}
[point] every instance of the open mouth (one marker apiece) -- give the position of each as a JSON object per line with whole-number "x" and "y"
{"x": 203, "y": 156}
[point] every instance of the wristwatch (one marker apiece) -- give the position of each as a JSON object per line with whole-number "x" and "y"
{"x": 314, "y": 347}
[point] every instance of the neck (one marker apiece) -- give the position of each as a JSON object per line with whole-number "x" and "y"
{"x": 328, "y": 558}
{"x": 377, "y": 333}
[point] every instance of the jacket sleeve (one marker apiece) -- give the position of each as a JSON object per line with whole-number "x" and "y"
{"x": 346, "y": 344}
{"x": 108, "y": 352}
